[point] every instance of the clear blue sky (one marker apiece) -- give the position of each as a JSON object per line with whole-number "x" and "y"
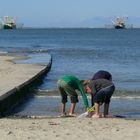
{"x": 49, "y": 13}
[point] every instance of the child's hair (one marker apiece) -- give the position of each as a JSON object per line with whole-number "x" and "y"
{"x": 85, "y": 82}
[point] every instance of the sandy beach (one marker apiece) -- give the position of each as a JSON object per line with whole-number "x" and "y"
{"x": 69, "y": 128}
{"x": 57, "y": 128}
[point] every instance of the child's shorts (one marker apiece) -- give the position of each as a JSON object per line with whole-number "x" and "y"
{"x": 104, "y": 95}
{"x": 67, "y": 90}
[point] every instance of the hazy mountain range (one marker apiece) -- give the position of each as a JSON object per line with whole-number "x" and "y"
{"x": 102, "y": 21}
{"x": 95, "y": 22}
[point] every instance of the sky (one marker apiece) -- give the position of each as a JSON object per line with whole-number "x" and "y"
{"x": 69, "y": 13}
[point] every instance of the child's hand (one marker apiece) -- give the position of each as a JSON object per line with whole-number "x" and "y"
{"x": 91, "y": 109}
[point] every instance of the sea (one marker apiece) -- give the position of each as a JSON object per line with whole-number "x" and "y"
{"x": 80, "y": 52}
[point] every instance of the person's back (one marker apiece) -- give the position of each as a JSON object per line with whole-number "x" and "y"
{"x": 98, "y": 84}
{"x": 72, "y": 80}
{"x": 102, "y": 74}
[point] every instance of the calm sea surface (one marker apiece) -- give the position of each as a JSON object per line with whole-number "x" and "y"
{"x": 80, "y": 52}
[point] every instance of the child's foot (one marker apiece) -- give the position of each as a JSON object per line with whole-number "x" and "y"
{"x": 72, "y": 115}
{"x": 63, "y": 115}
{"x": 96, "y": 116}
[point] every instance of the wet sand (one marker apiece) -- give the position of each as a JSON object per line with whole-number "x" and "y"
{"x": 12, "y": 75}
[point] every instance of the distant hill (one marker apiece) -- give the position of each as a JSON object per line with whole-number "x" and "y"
{"x": 102, "y": 21}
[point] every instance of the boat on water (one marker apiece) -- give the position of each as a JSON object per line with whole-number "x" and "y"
{"x": 119, "y": 23}
{"x": 9, "y": 22}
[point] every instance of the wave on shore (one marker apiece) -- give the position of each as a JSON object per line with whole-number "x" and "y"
{"x": 128, "y": 94}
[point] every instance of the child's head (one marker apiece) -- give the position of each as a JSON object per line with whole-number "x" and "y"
{"x": 86, "y": 86}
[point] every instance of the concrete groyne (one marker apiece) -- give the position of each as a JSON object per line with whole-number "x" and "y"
{"x": 17, "y": 94}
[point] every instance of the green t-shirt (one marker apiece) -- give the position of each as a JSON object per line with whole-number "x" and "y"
{"x": 77, "y": 85}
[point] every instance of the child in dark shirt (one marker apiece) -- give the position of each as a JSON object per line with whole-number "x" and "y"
{"x": 101, "y": 90}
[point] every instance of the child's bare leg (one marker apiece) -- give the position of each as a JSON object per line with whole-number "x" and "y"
{"x": 63, "y": 106}
{"x": 97, "y": 111}
{"x": 72, "y": 107}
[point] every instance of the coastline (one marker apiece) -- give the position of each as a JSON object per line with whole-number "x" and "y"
{"x": 18, "y": 81}
{"x": 57, "y": 128}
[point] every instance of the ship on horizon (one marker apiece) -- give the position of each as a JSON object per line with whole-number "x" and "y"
{"x": 9, "y": 23}
{"x": 119, "y": 23}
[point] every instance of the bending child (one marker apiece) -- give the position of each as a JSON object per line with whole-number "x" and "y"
{"x": 101, "y": 90}
{"x": 67, "y": 86}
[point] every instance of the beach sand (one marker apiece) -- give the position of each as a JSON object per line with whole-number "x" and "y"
{"x": 12, "y": 75}
{"x": 69, "y": 129}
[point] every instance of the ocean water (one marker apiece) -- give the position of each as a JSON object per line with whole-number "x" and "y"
{"x": 80, "y": 52}
{"x": 50, "y": 107}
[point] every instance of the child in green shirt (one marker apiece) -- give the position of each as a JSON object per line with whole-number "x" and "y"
{"x": 67, "y": 86}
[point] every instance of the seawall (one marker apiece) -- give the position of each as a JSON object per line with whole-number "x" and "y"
{"x": 18, "y": 82}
